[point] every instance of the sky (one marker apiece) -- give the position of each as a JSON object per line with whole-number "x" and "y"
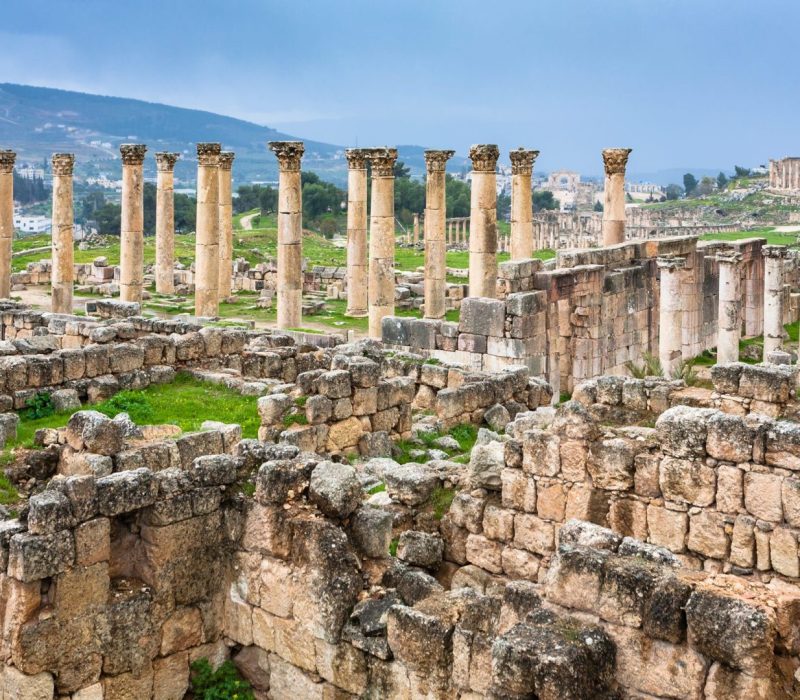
{"x": 685, "y": 83}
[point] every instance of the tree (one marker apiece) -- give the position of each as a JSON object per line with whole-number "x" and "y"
{"x": 401, "y": 170}
{"x": 544, "y": 200}
{"x": 689, "y": 183}
{"x": 92, "y": 202}
{"x": 29, "y": 191}
{"x": 674, "y": 192}
{"x": 268, "y": 200}
{"x": 409, "y": 198}
{"x": 108, "y": 218}
{"x": 740, "y": 171}
{"x": 458, "y": 197}
{"x": 706, "y": 187}
{"x": 503, "y": 207}
{"x": 722, "y": 181}
{"x": 598, "y": 206}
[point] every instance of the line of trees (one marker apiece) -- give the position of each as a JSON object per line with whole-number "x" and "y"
{"x": 30, "y": 191}
{"x": 705, "y": 186}
{"x": 95, "y": 208}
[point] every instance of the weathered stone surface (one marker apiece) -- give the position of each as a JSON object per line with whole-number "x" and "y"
{"x": 687, "y": 481}
{"x": 411, "y": 484}
{"x": 126, "y": 491}
{"x": 371, "y": 531}
{"x": 335, "y": 489}
{"x": 33, "y": 557}
{"x": 420, "y": 549}
{"x": 682, "y": 431}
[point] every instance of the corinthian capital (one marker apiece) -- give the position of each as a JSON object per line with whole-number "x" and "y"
{"x": 775, "y": 251}
{"x": 288, "y": 154}
{"x": 729, "y": 257}
{"x": 671, "y": 262}
{"x": 208, "y": 154}
{"x": 436, "y": 161}
{"x": 132, "y": 153}
{"x": 484, "y": 157}
{"x": 226, "y": 160}
{"x": 522, "y": 161}
{"x": 62, "y": 163}
{"x": 615, "y": 160}
{"x": 356, "y": 158}
{"x": 7, "y": 159}
{"x": 165, "y": 162}
{"x": 382, "y": 161}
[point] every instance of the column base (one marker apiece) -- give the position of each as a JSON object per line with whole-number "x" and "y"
{"x": 357, "y": 313}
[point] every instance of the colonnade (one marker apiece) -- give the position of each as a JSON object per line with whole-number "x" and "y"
{"x": 784, "y": 174}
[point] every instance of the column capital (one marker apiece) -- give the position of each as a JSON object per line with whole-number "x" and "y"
{"x": 208, "y": 153}
{"x": 132, "y": 153}
{"x": 484, "y": 157}
{"x": 671, "y": 262}
{"x": 226, "y": 160}
{"x": 356, "y": 158}
{"x": 436, "y": 161}
{"x": 7, "y": 159}
{"x": 728, "y": 257}
{"x": 382, "y": 161}
{"x": 615, "y": 160}
{"x": 62, "y": 163}
{"x": 288, "y": 154}
{"x": 775, "y": 251}
{"x": 522, "y": 161}
{"x": 165, "y": 161}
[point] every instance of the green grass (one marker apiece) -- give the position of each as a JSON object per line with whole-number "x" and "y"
{"x": 441, "y": 500}
{"x": 186, "y": 402}
{"x": 291, "y": 419}
{"x": 393, "y": 547}
{"x": 464, "y": 434}
{"x": 380, "y": 488}
{"x": 8, "y": 494}
{"x": 773, "y": 237}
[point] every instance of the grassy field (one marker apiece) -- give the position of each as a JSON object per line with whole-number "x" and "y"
{"x": 773, "y": 237}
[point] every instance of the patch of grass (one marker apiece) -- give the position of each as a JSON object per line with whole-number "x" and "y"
{"x": 393, "y": 547}
{"x": 224, "y": 683}
{"x": 465, "y": 435}
{"x": 441, "y": 500}
{"x": 8, "y": 493}
{"x": 40, "y": 406}
{"x": 380, "y": 488}
{"x": 248, "y": 488}
{"x": 650, "y": 366}
{"x": 291, "y": 419}
{"x": 300, "y": 401}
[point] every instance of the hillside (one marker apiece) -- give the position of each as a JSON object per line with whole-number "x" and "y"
{"x": 36, "y": 122}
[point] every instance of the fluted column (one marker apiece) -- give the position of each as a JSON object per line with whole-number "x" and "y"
{"x": 416, "y": 229}
{"x": 206, "y": 252}
{"x": 225, "y": 223}
{"x": 614, "y": 161}
{"x": 7, "y": 159}
{"x": 290, "y": 233}
{"x": 435, "y": 244}
{"x": 729, "y": 326}
{"x": 131, "y": 263}
{"x": 483, "y": 222}
{"x": 357, "y": 266}
{"x": 670, "y": 314}
{"x": 381, "y": 238}
{"x": 62, "y": 233}
{"x": 521, "y": 203}
{"x": 165, "y": 222}
{"x": 774, "y": 255}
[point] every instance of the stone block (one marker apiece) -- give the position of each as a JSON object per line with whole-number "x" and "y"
{"x": 668, "y": 528}
{"x": 687, "y": 481}
{"x": 33, "y": 557}
{"x": 762, "y": 496}
{"x": 481, "y": 316}
{"x": 707, "y": 535}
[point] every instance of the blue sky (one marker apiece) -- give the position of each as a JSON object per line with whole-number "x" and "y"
{"x": 685, "y": 83}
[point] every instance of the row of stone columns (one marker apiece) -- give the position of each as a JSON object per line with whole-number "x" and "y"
{"x": 784, "y": 174}
{"x": 62, "y": 259}
{"x": 7, "y": 159}
{"x": 435, "y": 242}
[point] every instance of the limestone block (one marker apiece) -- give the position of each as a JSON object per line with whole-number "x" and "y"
{"x": 682, "y": 431}
{"x": 171, "y": 677}
{"x": 290, "y": 683}
{"x": 93, "y": 542}
{"x": 371, "y": 531}
{"x": 498, "y": 523}
{"x": 467, "y": 511}
{"x": 645, "y": 478}
{"x": 730, "y": 489}
{"x": 33, "y": 557}
{"x": 629, "y": 517}
{"x": 342, "y": 665}
{"x": 726, "y": 684}
{"x": 707, "y": 535}
{"x": 481, "y": 316}
{"x": 743, "y": 542}
{"x": 126, "y": 491}
{"x": 541, "y": 453}
{"x": 783, "y": 445}
{"x": 533, "y": 534}
{"x": 575, "y": 577}
{"x": 687, "y": 481}
{"x": 668, "y": 528}
{"x": 762, "y": 496}
{"x": 730, "y": 438}
{"x": 49, "y": 512}
{"x": 585, "y": 502}
{"x": 485, "y": 553}
{"x": 18, "y": 686}
{"x": 573, "y": 457}
{"x": 611, "y": 464}
{"x": 790, "y": 498}
{"x": 551, "y": 501}
{"x": 783, "y": 552}
{"x": 181, "y": 630}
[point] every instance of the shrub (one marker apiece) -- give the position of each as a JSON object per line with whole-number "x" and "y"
{"x": 40, "y": 406}
{"x": 223, "y": 684}
{"x": 650, "y": 366}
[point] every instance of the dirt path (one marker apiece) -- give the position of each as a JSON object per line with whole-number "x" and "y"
{"x": 247, "y": 221}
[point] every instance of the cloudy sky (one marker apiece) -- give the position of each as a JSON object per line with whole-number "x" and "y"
{"x": 686, "y": 83}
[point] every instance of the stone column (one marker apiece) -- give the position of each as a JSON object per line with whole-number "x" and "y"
{"x": 483, "y": 222}
{"x": 729, "y": 326}
{"x": 774, "y": 256}
{"x": 290, "y": 233}
{"x": 165, "y": 222}
{"x": 670, "y": 316}
{"x": 131, "y": 263}
{"x": 614, "y": 160}
{"x": 435, "y": 244}
{"x": 62, "y": 233}
{"x": 225, "y": 223}
{"x": 7, "y": 159}
{"x": 521, "y": 203}
{"x": 357, "y": 267}
{"x": 381, "y": 238}
{"x": 416, "y": 229}
{"x": 206, "y": 251}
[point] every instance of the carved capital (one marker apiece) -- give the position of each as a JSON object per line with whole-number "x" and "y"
{"x": 356, "y": 158}
{"x": 226, "y": 160}
{"x": 165, "y": 161}
{"x": 776, "y": 252}
{"x": 615, "y": 160}
{"x": 208, "y": 154}
{"x": 671, "y": 262}
{"x": 436, "y": 161}
{"x": 132, "y": 153}
{"x": 288, "y": 154}
{"x": 7, "y": 159}
{"x": 522, "y": 161}
{"x": 484, "y": 157}
{"x": 729, "y": 257}
{"x": 62, "y": 163}
{"x": 382, "y": 161}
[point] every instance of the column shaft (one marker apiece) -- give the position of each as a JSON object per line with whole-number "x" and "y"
{"x": 381, "y": 238}
{"x": 670, "y": 318}
{"x": 773, "y": 297}
{"x": 522, "y": 203}
{"x": 357, "y": 266}
{"x": 7, "y": 159}
{"x": 165, "y": 223}
{"x": 62, "y": 233}
{"x": 729, "y": 327}
{"x": 131, "y": 263}
{"x": 206, "y": 255}
{"x": 435, "y": 244}
{"x": 225, "y": 223}
{"x": 614, "y": 160}
{"x": 483, "y": 222}
{"x": 290, "y": 233}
